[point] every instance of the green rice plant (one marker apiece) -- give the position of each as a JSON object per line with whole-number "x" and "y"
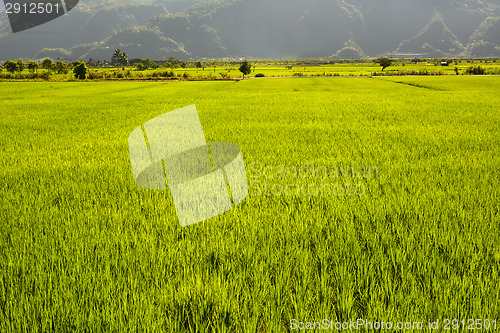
{"x": 82, "y": 248}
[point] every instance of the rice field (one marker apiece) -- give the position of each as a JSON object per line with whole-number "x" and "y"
{"x": 369, "y": 198}
{"x": 272, "y": 68}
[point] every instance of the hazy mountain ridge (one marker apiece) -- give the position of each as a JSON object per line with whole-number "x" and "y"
{"x": 265, "y": 28}
{"x": 435, "y": 37}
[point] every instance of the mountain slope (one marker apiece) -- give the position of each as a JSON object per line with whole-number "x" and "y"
{"x": 265, "y": 28}
{"x": 484, "y": 41}
{"x": 434, "y": 40}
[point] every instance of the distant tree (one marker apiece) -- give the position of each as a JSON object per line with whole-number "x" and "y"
{"x": 174, "y": 62}
{"x": 116, "y": 56}
{"x": 47, "y": 63}
{"x": 60, "y": 67}
{"x": 80, "y": 69}
{"x": 20, "y": 65}
{"x": 245, "y": 68}
{"x": 10, "y": 66}
{"x": 146, "y": 63}
{"x": 475, "y": 70}
{"x": 384, "y": 62}
{"x": 33, "y": 66}
{"x": 199, "y": 64}
{"x": 123, "y": 59}
{"x": 153, "y": 65}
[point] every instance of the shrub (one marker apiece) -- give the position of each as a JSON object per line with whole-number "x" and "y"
{"x": 25, "y": 76}
{"x": 44, "y": 75}
{"x": 94, "y": 75}
{"x": 493, "y": 71}
{"x": 477, "y": 70}
{"x": 159, "y": 74}
{"x": 259, "y": 75}
{"x": 5, "y": 76}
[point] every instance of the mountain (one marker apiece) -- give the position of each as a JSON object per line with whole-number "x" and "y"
{"x": 263, "y": 29}
{"x": 435, "y": 40}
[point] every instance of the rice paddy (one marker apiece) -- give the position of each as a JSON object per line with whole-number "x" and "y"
{"x": 416, "y": 238}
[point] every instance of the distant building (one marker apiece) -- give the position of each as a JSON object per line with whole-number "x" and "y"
{"x": 444, "y": 63}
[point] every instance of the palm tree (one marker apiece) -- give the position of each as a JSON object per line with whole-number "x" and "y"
{"x": 117, "y": 55}
{"x": 123, "y": 59}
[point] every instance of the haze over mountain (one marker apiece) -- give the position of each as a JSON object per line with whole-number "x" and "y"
{"x": 190, "y": 29}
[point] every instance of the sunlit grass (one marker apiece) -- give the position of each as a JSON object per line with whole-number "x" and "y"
{"x": 82, "y": 248}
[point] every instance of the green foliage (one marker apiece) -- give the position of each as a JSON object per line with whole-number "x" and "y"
{"x": 161, "y": 74}
{"x": 80, "y": 70}
{"x": 384, "y": 62}
{"x": 174, "y": 62}
{"x": 61, "y": 67}
{"x": 475, "y": 70}
{"x": 20, "y": 65}
{"x": 260, "y": 75}
{"x": 148, "y": 63}
{"x": 245, "y": 68}
{"x": 25, "y": 76}
{"x": 47, "y": 63}
{"x": 10, "y": 66}
{"x": 116, "y": 56}
{"x": 33, "y": 66}
{"x": 121, "y": 58}
{"x": 96, "y": 75}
